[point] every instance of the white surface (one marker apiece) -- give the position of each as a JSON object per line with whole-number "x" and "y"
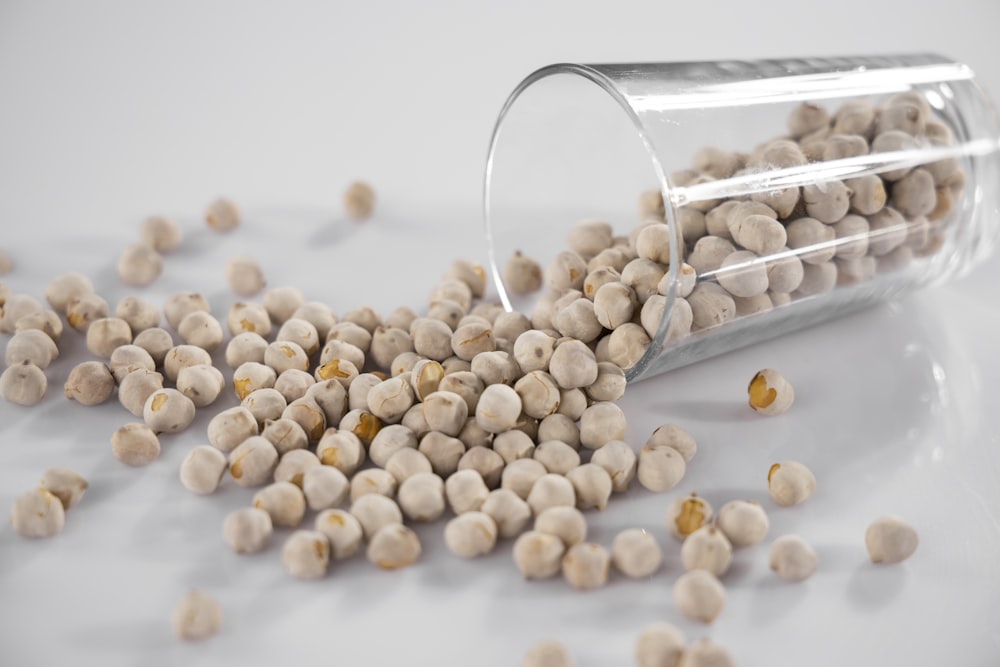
{"x": 114, "y": 111}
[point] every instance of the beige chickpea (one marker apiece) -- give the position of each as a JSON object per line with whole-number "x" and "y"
{"x": 573, "y": 365}
{"x": 284, "y": 502}
{"x": 201, "y": 383}
{"x": 139, "y": 265}
{"x": 703, "y": 652}
{"x": 394, "y": 546}
{"x": 558, "y": 427}
{"x": 32, "y": 346}
{"x": 282, "y": 302}
{"x": 890, "y": 539}
{"x": 792, "y": 558}
{"x": 359, "y": 201}
{"x": 790, "y": 483}
{"x": 342, "y": 450}
{"x": 643, "y": 276}
{"x": 135, "y": 445}
{"x": 253, "y": 461}
{"x": 520, "y": 476}
{"x": 387, "y": 344}
{"x": 343, "y": 371}
{"x": 181, "y": 304}
{"x": 744, "y": 522}
{"x": 828, "y": 201}
{"x": 65, "y": 288}
{"x": 319, "y": 315}
{"x": 610, "y": 383}
{"x": 373, "y": 511}
{"x": 488, "y": 463}
{"x": 497, "y": 367}
{"x": 201, "y": 329}
{"x": 106, "y": 334}
{"x": 579, "y": 320}
{"x": 472, "y": 435}
{"x": 202, "y": 469}
{"x": 294, "y": 384}
{"x": 672, "y": 435}
{"x": 65, "y": 484}
{"x": 247, "y": 530}
{"x": 451, "y": 309}
{"x": 342, "y": 530}
{"x": 168, "y": 411}
{"x": 471, "y": 534}
{"x": 251, "y": 376}
{"x": 589, "y": 236}
{"x": 660, "y": 468}
{"x": 161, "y": 233}
{"x": 16, "y": 306}
{"x": 556, "y": 456}
{"x": 138, "y": 313}
{"x": 600, "y": 423}
{"x": 324, "y": 487}
{"x": 707, "y": 549}
{"x": 551, "y": 490}
{"x": 660, "y": 645}
{"x": 24, "y": 384}
{"x": 293, "y": 465}
{"x": 248, "y": 318}
{"x": 592, "y": 485}
{"x": 222, "y": 215}
{"x": 38, "y": 514}
{"x": 686, "y": 514}
{"x": 598, "y": 278}
{"x": 533, "y": 350}
{"x": 407, "y": 462}
{"x": 282, "y": 355}
{"x": 770, "y": 393}
{"x": 244, "y": 276}
{"x": 817, "y": 279}
{"x": 197, "y": 616}
{"x": 373, "y": 481}
{"x": 389, "y": 400}
{"x": 620, "y": 461}
{"x": 181, "y": 356}
{"x": 156, "y": 341}
{"x": 498, "y": 408}
{"x": 466, "y": 491}
{"x": 586, "y": 566}
{"x": 566, "y": 523}
{"x": 231, "y": 427}
{"x": 522, "y": 274}
{"x": 636, "y": 553}
{"x": 265, "y": 404}
{"x": 285, "y": 434}
{"x": 566, "y": 271}
{"x": 510, "y": 512}
{"x": 128, "y": 358}
{"x": 388, "y": 441}
{"x": 361, "y": 423}
{"x": 421, "y": 496}
{"x": 136, "y": 388}
{"x": 538, "y": 555}
{"x": 743, "y": 274}
{"x": 306, "y": 554}
{"x": 83, "y": 309}
{"x": 699, "y": 595}
{"x": 46, "y": 321}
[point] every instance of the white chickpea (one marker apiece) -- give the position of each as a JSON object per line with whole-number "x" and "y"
{"x": 445, "y": 411}
{"x": 324, "y": 487}
{"x": 522, "y": 274}
{"x": 792, "y": 558}
{"x": 601, "y": 423}
{"x": 46, "y": 321}
{"x": 890, "y": 539}
{"x": 465, "y": 491}
{"x": 89, "y": 383}
{"x": 156, "y": 341}
{"x": 222, "y": 215}
{"x": 538, "y": 555}
{"x": 201, "y": 383}
{"x": 770, "y": 393}
{"x": 128, "y": 358}
{"x": 539, "y": 394}
{"x": 388, "y": 441}
{"x": 675, "y": 437}
{"x": 294, "y": 384}
{"x": 342, "y": 450}
{"x": 660, "y": 645}
{"x": 168, "y": 411}
{"x": 498, "y": 409}
{"x": 707, "y": 549}
{"x": 558, "y": 427}
{"x": 394, "y": 546}
{"x": 488, "y": 463}
{"x": 135, "y": 445}
{"x": 293, "y": 465}
{"x": 556, "y": 456}
{"x": 520, "y": 476}
{"x": 306, "y": 554}
{"x": 330, "y": 396}
{"x": 790, "y": 483}
{"x": 265, "y": 404}
{"x": 285, "y": 434}
{"x": 244, "y": 276}
{"x": 309, "y": 415}
{"x": 373, "y": 481}
{"x": 197, "y": 616}
{"x": 32, "y": 346}
{"x": 551, "y": 490}
{"x": 247, "y": 530}
{"x": 38, "y": 513}
{"x": 231, "y": 427}
{"x": 66, "y": 287}
{"x": 686, "y": 514}
{"x": 160, "y": 233}
{"x": 592, "y": 485}
{"x": 181, "y": 356}
{"x": 471, "y": 534}
{"x": 248, "y": 318}
{"x": 620, "y": 461}
{"x": 407, "y": 462}
{"x": 533, "y": 350}
{"x": 510, "y": 512}
{"x": 466, "y": 384}
{"x": 139, "y": 265}
{"x": 374, "y": 511}
{"x": 253, "y": 461}
{"x": 201, "y": 329}
{"x": 421, "y": 497}
{"x": 744, "y": 522}
{"x": 636, "y": 553}
{"x": 573, "y": 365}
{"x": 699, "y": 595}
{"x": 65, "y": 484}
{"x": 496, "y": 367}
{"x": 181, "y": 304}
{"x": 566, "y": 523}
{"x": 202, "y": 469}
{"x": 586, "y": 566}
{"x": 342, "y": 530}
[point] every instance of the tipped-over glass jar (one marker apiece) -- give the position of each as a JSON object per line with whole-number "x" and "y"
{"x": 771, "y": 195}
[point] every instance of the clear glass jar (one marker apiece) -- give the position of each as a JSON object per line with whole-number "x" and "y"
{"x": 800, "y": 190}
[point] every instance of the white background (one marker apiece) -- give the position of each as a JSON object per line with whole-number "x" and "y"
{"x": 112, "y": 111}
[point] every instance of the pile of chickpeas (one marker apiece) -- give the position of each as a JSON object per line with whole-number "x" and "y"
{"x": 503, "y": 424}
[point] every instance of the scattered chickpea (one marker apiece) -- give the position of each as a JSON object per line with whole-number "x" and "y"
{"x": 566, "y": 523}
{"x": 23, "y": 384}
{"x": 168, "y": 411}
{"x": 687, "y": 514}
{"x": 31, "y": 346}
{"x": 601, "y": 423}
{"x": 139, "y": 265}
{"x": 660, "y": 468}
{"x": 222, "y": 215}
{"x": 251, "y": 376}
{"x": 675, "y": 437}
{"x": 285, "y": 434}
{"x": 197, "y": 616}
{"x": 744, "y": 522}
{"x": 342, "y": 450}
{"x": 372, "y": 481}
{"x": 161, "y": 234}
{"x": 265, "y": 404}
{"x": 129, "y": 358}
{"x": 707, "y": 549}
{"x": 253, "y": 461}
{"x": 156, "y": 341}
{"x": 65, "y": 484}
{"x": 618, "y": 459}
{"x": 792, "y": 558}
{"x": 201, "y": 383}
{"x": 306, "y": 554}
{"x": 421, "y": 496}
{"x": 201, "y": 329}
{"x": 247, "y": 530}
{"x": 342, "y": 530}
{"x": 202, "y": 469}
{"x": 231, "y": 427}
{"x": 471, "y": 534}
{"x": 538, "y": 555}
{"x": 65, "y": 288}
{"x": 135, "y": 445}
{"x": 551, "y": 490}
{"x": 790, "y": 483}
{"x": 636, "y": 553}
{"x": 592, "y": 485}
{"x": 703, "y": 652}
{"x": 660, "y": 645}
{"x": 324, "y": 487}
{"x": 359, "y": 201}
{"x": 520, "y": 476}
{"x": 699, "y": 595}
{"x": 284, "y": 503}
{"x": 394, "y": 546}
{"x": 46, "y": 321}
{"x": 770, "y": 393}
{"x": 38, "y": 513}
{"x": 890, "y": 539}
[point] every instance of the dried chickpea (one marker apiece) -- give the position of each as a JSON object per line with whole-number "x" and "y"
{"x": 687, "y": 514}
{"x": 790, "y": 483}
{"x": 556, "y": 456}
{"x": 538, "y": 555}
{"x": 890, "y": 539}
{"x": 168, "y": 411}
{"x": 342, "y": 530}
{"x": 586, "y": 566}
{"x": 601, "y": 423}
{"x": 201, "y": 383}
{"x": 81, "y": 310}
{"x": 248, "y": 318}
{"x": 699, "y": 595}
{"x": 359, "y": 201}
{"x": 128, "y": 358}
{"x": 566, "y": 523}
{"x": 792, "y": 558}
{"x": 284, "y": 503}
{"x": 231, "y": 427}
{"x": 161, "y": 234}
{"x": 197, "y": 616}
{"x": 156, "y": 341}
{"x": 285, "y": 434}
{"x": 744, "y": 522}
{"x": 294, "y": 464}
{"x": 471, "y": 534}
{"x": 135, "y": 444}
{"x": 592, "y": 484}
{"x": 394, "y": 546}
{"x": 406, "y": 463}
{"x": 184, "y": 355}
{"x": 703, "y": 652}
{"x": 488, "y": 463}
{"x": 46, "y": 321}
{"x": 707, "y": 549}
{"x": 181, "y": 304}
{"x": 65, "y": 288}
{"x": 201, "y": 329}
{"x": 222, "y": 215}
{"x": 342, "y": 450}
{"x": 38, "y": 513}
{"x": 770, "y": 393}
{"x": 244, "y": 276}
{"x": 557, "y": 427}
{"x": 498, "y": 408}
{"x": 465, "y": 491}
{"x": 251, "y": 376}
{"x": 253, "y": 461}
{"x": 520, "y": 476}
{"x": 306, "y": 554}
{"x": 324, "y": 487}
{"x": 32, "y": 346}
{"x": 247, "y": 530}
{"x": 65, "y": 484}
{"x": 551, "y": 490}
{"x": 618, "y": 459}
{"x": 23, "y": 384}
{"x": 139, "y": 265}
{"x": 202, "y": 469}
{"x": 660, "y": 645}
{"x": 373, "y": 481}
{"x": 522, "y": 274}
{"x": 636, "y": 553}
{"x": 510, "y": 512}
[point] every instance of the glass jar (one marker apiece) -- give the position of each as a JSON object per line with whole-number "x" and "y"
{"x": 745, "y": 199}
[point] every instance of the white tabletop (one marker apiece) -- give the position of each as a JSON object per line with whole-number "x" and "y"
{"x": 114, "y": 111}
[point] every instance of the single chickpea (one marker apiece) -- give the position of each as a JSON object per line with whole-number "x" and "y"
{"x": 497, "y": 367}
{"x": 135, "y": 445}
{"x": 675, "y": 437}
{"x": 252, "y": 462}
{"x": 407, "y": 462}
{"x": 161, "y": 234}
{"x": 707, "y": 549}
{"x": 251, "y": 376}
{"x": 181, "y": 304}
{"x": 359, "y": 201}
{"x": 181, "y": 356}
{"x": 488, "y": 463}
{"x": 282, "y": 302}
{"x": 342, "y": 530}
{"x": 139, "y": 265}
{"x": 498, "y": 408}
{"x": 248, "y": 318}
{"x": 202, "y": 469}
{"x": 686, "y": 514}
{"x": 520, "y": 476}
{"x": 38, "y": 513}
{"x": 890, "y": 539}
{"x": 306, "y": 554}
{"x": 522, "y": 274}
{"x": 471, "y": 534}
{"x": 421, "y": 497}
{"x": 32, "y": 346}
{"x": 556, "y": 456}
{"x": 201, "y": 383}
{"x": 566, "y": 523}
{"x": 387, "y": 344}
{"x": 660, "y": 468}
{"x": 389, "y": 400}
{"x": 551, "y": 490}
{"x": 586, "y": 566}
{"x": 65, "y": 288}
{"x": 231, "y": 427}
{"x": 389, "y": 441}
{"x": 244, "y": 276}
{"x": 247, "y": 530}
{"x": 538, "y": 555}
{"x": 660, "y": 645}
{"x": 168, "y": 411}
{"x": 792, "y": 558}
{"x": 46, "y": 321}
{"x": 744, "y": 522}
{"x": 285, "y": 434}
{"x": 394, "y": 546}
{"x": 324, "y": 487}
{"x": 83, "y": 309}
{"x": 342, "y": 450}
{"x": 373, "y": 481}
{"x": 197, "y": 616}
{"x": 770, "y": 393}
{"x": 89, "y": 383}
{"x": 65, "y": 484}
{"x": 128, "y": 358}
{"x": 592, "y": 485}
{"x": 201, "y": 329}
{"x": 790, "y": 483}
{"x": 618, "y": 459}
{"x": 465, "y": 491}
{"x": 156, "y": 341}
{"x": 23, "y": 384}
{"x": 293, "y": 465}
{"x": 222, "y": 215}
{"x": 699, "y": 595}
{"x": 636, "y": 553}
{"x": 868, "y": 194}
{"x": 510, "y": 512}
